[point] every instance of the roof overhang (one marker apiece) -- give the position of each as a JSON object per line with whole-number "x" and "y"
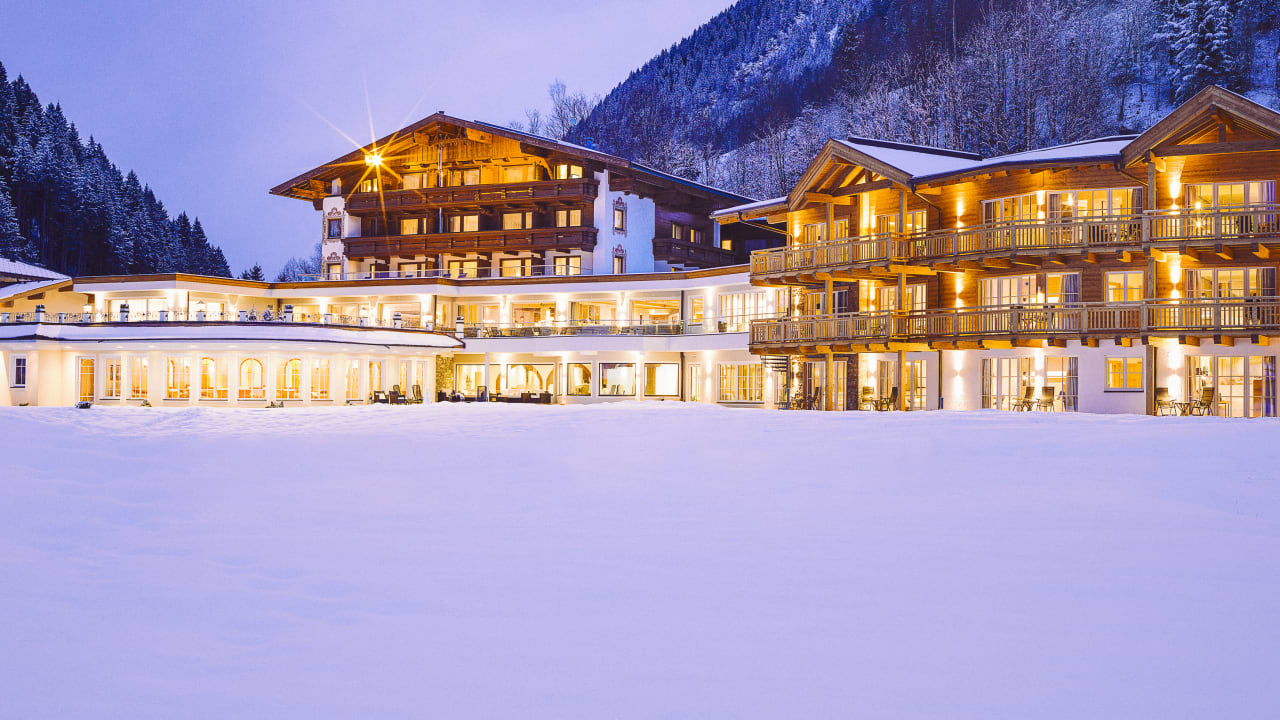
{"x": 1212, "y": 104}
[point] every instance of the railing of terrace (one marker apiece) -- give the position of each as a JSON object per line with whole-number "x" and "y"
{"x": 1251, "y": 223}
{"x": 1203, "y": 315}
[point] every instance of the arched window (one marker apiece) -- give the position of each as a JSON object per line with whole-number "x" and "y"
{"x": 289, "y": 380}
{"x": 213, "y": 379}
{"x": 252, "y": 386}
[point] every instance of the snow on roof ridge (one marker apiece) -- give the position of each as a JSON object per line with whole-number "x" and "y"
{"x": 912, "y": 147}
{"x": 1107, "y": 138}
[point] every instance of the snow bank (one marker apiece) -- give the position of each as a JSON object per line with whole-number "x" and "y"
{"x": 635, "y": 561}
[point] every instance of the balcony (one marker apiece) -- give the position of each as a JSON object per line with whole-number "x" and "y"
{"x": 1036, "y": 240}
{"x": 1006, "y": 325}
{"x": 683, "y": 252}
{"x": 470, "y": 195}
{"x": 541, "y": 239}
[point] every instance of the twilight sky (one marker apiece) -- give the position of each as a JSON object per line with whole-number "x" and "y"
{"x": 212, "y": 103}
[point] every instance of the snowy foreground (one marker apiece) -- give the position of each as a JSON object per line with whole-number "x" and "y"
{"x": 636, "y": 561}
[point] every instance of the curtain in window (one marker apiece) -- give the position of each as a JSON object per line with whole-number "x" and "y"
{"x": 1267, "y": 281}
{"x": 1269, "y": 386}
{"x": 1071, "y": 288}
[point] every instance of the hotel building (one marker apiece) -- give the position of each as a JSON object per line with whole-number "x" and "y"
{"x": 1125, "y": 274}
{"x": 463, "y": 260}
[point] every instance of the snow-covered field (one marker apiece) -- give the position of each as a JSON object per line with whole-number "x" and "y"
{"x": 636, "y": 561}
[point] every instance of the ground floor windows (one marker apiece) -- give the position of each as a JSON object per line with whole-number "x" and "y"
{"x": 319, "y": 379}
{"x": 617, "y": 379}
{"x": 1124, "y": 374}
{"x": 138, "y": 369}
{"x": 87, "y": 375}
{"x": 1005, "y": 382}
{"x": 112, "y": 378}
{"x": 375, "y": 376}
{"x": 913, "y": 384}
{"x": 1233, "y": 386}
{"x": 213, "y": 378}
{"x": 662, "y": 379}
{"x": 18, "y": 378}
{"x": 353, "y": 380}
{"x": 289, "y": 380}
{"x": 177, "y": 378}
{"x": 1061, "y": 374}
{"x": 531, "y": 378}
{"x": 741, "y": 382}
{"x": 695, "y": 383}
{"x": 579, "y": 381}
{"x": 252, "y": 380}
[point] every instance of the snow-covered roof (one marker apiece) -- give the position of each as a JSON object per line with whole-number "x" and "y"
{"x": 1106, "y": 148}
{"x": 749, "y": 207}
{"x": 14, "y": 270}
{"x": 912, "y": 159}
{"x": 23, "y": 288}
{"x": 226, "y": 332}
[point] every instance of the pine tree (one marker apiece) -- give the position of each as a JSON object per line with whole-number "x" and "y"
{"x": 253, "y": 273}
{"x": 12, "y": 244}
{"x": 1204, "y": 49}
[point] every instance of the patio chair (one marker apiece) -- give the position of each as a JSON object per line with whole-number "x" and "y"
{"x": 544, "y": 398}
{"x": 1164, "y": 402}
{"x": 442, "y": 396}
{"x": 867, "y": 400}
{"x": 890, "y": 402}
{"x": 526, "y": 397}
{"x": 1027, "y": 401}
{"x": 395, "y": 397}
{"x": 1047, "y": 398}
{"x": 416, "y": 398}
{"x": 378, "y": 396}
{"x": 1203, "y": 405}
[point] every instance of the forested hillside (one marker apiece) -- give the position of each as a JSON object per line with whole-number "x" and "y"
{"x": 66, "y": 206}
{"x": 748, "y": 98}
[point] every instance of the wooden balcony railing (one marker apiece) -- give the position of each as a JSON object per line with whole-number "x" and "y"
{"x": 1255, "y": 223}
{"x": 1161, "y": 317}
{"x": 578, "y": 188}
{"x": 491, "y": 240}
{"x": 865, "y": 249}
{"x": 677, "y": 251}
{"x": 1214, "y": 225}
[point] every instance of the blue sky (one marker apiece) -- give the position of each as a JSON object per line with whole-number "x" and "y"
{"x": 214, "y": 103}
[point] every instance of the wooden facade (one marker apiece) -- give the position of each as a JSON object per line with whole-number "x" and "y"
{"x": 1115, "y": 240}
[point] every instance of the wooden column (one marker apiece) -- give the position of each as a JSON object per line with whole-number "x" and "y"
{"x": 1149, "y": 386}
{"x": 831, "y": 221}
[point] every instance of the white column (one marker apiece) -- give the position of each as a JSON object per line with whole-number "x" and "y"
{"x": 304, "y": 389}
{"x": 269, "y": 375}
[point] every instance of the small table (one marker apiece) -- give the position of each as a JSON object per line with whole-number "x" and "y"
{"x": 1183, "y": 408}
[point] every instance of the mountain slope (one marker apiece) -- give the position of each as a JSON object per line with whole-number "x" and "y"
{"x": 66, "y": 206}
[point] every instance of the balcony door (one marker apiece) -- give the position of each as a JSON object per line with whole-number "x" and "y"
{"x": 1242, "y": 386}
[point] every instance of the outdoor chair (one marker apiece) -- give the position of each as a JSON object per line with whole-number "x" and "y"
{"x": 867, "y": 400}
{"x": 442, "y": 396}
{"x": 1027, "y": 400}
{"x": 890, "y": 402}
{"x": 1203, "y": 405}
{"x": 416, "y": 398}
{"x": 1047, "y": 397}
{"x": 544, "y": 398}
{"x": 1164, "y": 402}
{"x": 526, "y": 397}
{"x": 378, "y": 396}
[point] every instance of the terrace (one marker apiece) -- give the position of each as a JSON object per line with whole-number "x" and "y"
{"x": 1213, "y": 229}
{"x": 1223, "y": 319}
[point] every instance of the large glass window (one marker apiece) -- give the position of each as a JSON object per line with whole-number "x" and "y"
{"x": 289, "y": 379}
{"x": 533, "y": 378}
{"x": 1020, "y": 207}
{"x": 252, "y": 380}
{"x": 1124, "y": 373}
{"x": 1231, "y": 282}
{"x": 1009, "y": 290}
{"x": 138, "y": 369}
{"x": 87, "y": 376}
{"x": 1061, "y": 374}
{"x": 741, "y": 382}
{"x": 1236, "y": 386}
{"x": 662, "y": 379}
{"x": 319, "y": 379}
{"x": 517, "y": 220}
{"x": 375, "y": 376}
{"x": 177, "y": 378}
{"x": 617, "y": 379}
{"x": 579, "y": 379}
{"x": 353, "y": 380}
{"x": 569, "y": 218}
{"x": 737, "y": 310}
{"x": 213, "y": 378}
{"x": 1092, "y": 203}
{"x": 1005, "y": 380}
{"x": 112, "y": 378}
{"x": 695, "y": 383}
{"x": 912, "y": 222}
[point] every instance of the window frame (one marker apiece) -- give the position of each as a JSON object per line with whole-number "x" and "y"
{"x": 1125, "y": 373}
{"x": 13, "y": 376}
